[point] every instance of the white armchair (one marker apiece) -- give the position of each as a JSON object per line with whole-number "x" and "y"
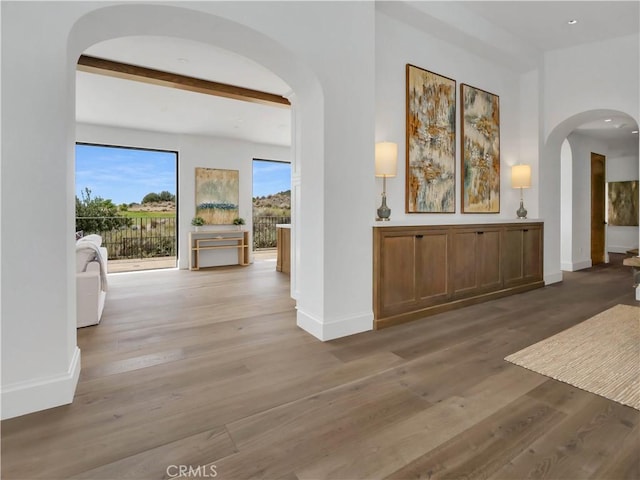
{"x": 91, "y": 283}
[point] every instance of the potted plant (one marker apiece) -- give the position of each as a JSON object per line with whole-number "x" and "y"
{"x": 197, "y": 222}
{"x": 239, "y": 221}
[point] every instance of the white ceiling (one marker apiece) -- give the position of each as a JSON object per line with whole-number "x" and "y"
{"x": 544, "y": 24}
{"x": 619, "y": 128}
{"x": 112, "y": 101}
{"x": 511, "y": 33}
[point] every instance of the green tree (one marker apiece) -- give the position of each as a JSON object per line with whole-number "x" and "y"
{"x": 166, "y": 196}
{"x": 151, "y": 198}
{"x": 96, "y": 214}
{"x": 163, "y": 196}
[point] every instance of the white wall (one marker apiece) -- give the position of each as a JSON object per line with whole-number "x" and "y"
{"x": 398, "y": 44}
{"x": 194, "y": 151}
{"x": 578, "y": 84}
{"x": 530, "y": 108}
{"x": 566, "y": 206}
{"x": 40, "y": 358}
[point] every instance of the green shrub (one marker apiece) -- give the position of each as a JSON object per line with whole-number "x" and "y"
{"x": 96, "y": 214}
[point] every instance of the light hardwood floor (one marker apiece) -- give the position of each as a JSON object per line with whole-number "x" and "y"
{"x": 208, "y": 369}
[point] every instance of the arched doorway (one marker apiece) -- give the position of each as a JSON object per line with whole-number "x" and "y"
{"x": 564, "y": 171}
{"x": 306, "y": 100}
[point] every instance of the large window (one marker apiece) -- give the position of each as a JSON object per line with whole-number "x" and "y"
{"x": 128, "y": 196}
{"x": 271, "y": 200}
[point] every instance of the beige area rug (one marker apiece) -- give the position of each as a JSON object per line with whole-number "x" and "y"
{"x": 600, "y": 355}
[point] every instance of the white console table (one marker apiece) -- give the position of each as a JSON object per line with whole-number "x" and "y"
{"x": 216, "y": 240}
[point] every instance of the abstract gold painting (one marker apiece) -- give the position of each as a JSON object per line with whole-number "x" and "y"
{"x": 480, "y": 141}
{"x": 430, "y": 146}
{"x": 623, "y": 203}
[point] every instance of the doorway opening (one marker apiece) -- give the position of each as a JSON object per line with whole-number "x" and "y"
{"x": 271, "y": 201}
{"x": 128, "y": 196}
{"x": 598, "y": 209}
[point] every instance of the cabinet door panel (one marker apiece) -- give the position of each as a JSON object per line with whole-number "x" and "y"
{"x": 489, "y": 261}
{"x": 464, "y": 264}
{"x": 532, "y": 254}
{"x": 431, "y": 261}
{"x": 512, "y": 257}
{"x": 398, "y": 272}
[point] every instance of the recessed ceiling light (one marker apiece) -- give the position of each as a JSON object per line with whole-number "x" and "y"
{"x": 572, "y": 22}
{"x": 607, "y": 120}
{"x": 635, "y": 131}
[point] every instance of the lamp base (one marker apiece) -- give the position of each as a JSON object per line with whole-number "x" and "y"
{"x": 384, "y": 212}
{"x": 522, "y": 212}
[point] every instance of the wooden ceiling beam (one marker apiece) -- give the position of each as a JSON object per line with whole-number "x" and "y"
{"x": 181, "y": 82}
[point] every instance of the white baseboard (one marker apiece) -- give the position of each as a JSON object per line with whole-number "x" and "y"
{"x": 618, "y": 248}
{"x": 552, "y": 278}
{"x": 575, "y": 266}
{"x": 32, "y": 396}
{"x": 329, "y": 330}
{"x": 581, "y": 265}
{"x": 638, "y": 293}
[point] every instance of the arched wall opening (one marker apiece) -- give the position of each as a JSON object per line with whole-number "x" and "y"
{"x": 305, "y": 96}
{"x": 565, "y": 205}
{"x": 41, "y": 360}
{"x": 331, "y": 149}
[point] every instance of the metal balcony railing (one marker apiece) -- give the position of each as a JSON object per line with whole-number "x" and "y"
{"x": 149, "y": 237}
{"x": 264, "y": 231}
{"x": 126, "y": 237}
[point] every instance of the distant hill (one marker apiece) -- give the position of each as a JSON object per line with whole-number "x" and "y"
{"x": 153, "y": 207}
{"x": 277, "y": 204}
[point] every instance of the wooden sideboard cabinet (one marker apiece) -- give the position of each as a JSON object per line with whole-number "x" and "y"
{"x": 423, "y": 270}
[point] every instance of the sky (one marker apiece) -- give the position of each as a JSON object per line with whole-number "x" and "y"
{"x": 126, "y": 175}
{"x": 270, "y": 177}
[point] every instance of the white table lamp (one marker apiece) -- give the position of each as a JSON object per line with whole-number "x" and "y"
{"x": 386, "y": 166}
{"x": 521, "y": 178}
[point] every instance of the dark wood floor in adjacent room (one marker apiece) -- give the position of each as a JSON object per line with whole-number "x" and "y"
{"x": 208, "y": 369}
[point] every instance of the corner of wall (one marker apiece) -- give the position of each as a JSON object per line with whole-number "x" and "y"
{"x": 43, "y": 393}
{"x": 552, "y": 278}
{"x": 336, "y": 328}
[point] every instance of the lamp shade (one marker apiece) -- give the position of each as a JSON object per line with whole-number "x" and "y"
{"x": 521, "y": 176}
{"x": 386, "y": 159}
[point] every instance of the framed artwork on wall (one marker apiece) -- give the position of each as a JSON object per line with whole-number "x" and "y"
{"x": 623, "y": 202}
{"x": 217, "y": 195}
{"x": 430, "y": 143}
{"x": 480, "y": 141}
